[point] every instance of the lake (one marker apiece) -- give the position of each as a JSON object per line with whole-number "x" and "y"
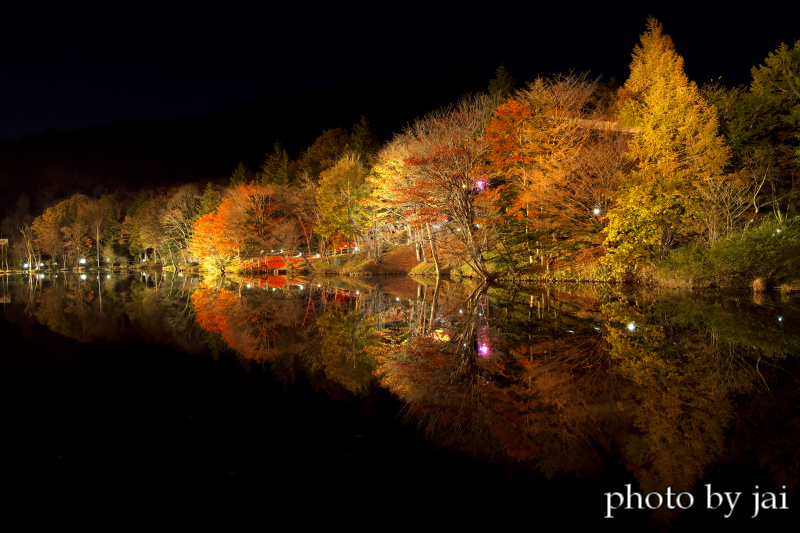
{"x": 143, "y": 398}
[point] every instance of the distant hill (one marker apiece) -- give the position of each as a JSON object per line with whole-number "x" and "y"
{"x": 133, "y": 155}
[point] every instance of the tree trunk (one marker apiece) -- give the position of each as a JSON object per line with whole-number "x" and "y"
{"x": 433, "y": 253}
{"x": 435, "y": 299}
{"x": 97, "y": 242}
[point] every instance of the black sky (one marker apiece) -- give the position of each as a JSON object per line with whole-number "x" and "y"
{"x": 67, "y": 67}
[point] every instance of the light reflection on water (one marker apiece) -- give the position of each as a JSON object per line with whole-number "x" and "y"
{"x": 543, "y": 377}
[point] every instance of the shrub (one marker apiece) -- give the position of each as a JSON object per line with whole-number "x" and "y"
{"x": 770, "y": 250}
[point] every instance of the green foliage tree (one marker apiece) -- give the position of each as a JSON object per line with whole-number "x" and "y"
{"x": 778, "y": 81}
{"x": 240, "y": 175}
{"x": 276, "y": 168}
{"x": 209, "y": 201}
{"x": 325, "y": 152}
{"x": 364, "y": 141}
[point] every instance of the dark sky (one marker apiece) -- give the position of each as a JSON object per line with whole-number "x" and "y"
{"x": 67, "y": 67}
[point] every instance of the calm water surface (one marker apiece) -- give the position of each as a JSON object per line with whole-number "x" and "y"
{"x": 134, "y": 398}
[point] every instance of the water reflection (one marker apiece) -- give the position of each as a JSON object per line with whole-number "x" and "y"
{"x": 562, "y": 380}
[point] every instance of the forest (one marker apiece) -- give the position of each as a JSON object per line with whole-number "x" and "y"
{"x": 565, "y": 177}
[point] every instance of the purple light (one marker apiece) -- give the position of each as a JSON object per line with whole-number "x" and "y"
{"x": 483, "y": 349}
{"x": 479, "y": 185}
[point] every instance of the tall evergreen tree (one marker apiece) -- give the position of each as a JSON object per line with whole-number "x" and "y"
{"x": 364, "y": 140}
{"x": 276, "y": 167}
{"x": 209, "y": 201}
{"x": 240, "y": 176}
{"x": 678, "y": 147}
{"x": 503, "y": 84}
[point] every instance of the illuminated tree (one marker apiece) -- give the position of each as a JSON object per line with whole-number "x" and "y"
{"x": 239, "y": 226}
{"x": 94, "y": 214}
{"x": 179, "y": 215}
{"x": 678, "y": 146}
{"x": 338, "y": 196}
{"x": 560, "y": 163}
{"x": 442, "y": 155}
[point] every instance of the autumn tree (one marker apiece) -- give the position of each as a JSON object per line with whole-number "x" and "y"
{"x": 238, "y": 226}
{"x": 94, "y": 213}
{"x": 445, "y": 152}
{"x": 389, "y": 183}
{"x": 430, "y": 177}
{"x": 340, "y": 189}
{"x": 48, "y": 226}
{"x": 152, "y": 233}
{"x": 112, "y": 235}
{"x": 178, "y": 216}
{"x": 678, "y": 147}
{"x": 75, "y": 241}
{"x": 302, "y": 204}
{"x": 559, "y": 161}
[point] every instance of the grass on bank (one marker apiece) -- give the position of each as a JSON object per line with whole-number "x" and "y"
{"x": 769, "y": 251}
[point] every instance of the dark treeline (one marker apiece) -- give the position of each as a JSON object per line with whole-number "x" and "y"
{"x": 128, "y": 154}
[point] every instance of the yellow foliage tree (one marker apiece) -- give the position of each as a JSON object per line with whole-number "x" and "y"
{"x": 678, "y": 148}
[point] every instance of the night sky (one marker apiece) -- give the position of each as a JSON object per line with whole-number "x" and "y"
{"x": 66, "y": 67}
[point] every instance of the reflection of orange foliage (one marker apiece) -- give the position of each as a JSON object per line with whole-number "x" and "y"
{"x": 241, "y": 328}
{"x": 213, "y": 309}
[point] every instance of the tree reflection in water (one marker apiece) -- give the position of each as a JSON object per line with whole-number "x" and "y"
{"x": 563, "y": 380}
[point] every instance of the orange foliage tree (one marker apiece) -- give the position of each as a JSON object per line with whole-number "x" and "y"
{"x": 560, "y": 163}
{"x": 239, "y": 225}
